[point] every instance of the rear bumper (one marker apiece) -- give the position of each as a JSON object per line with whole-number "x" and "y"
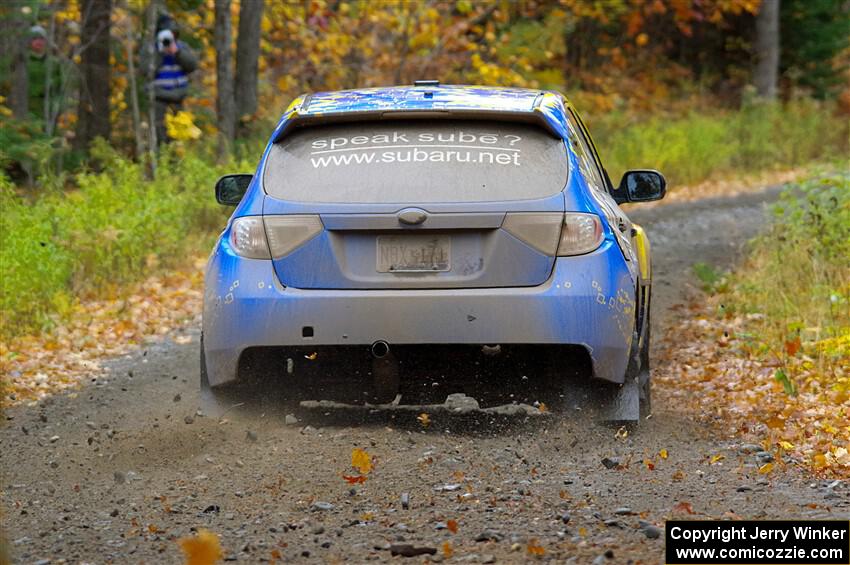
{"x": 588, "y": 301}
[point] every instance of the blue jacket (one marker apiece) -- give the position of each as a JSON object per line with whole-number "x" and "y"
{"x": 171, "y": 75}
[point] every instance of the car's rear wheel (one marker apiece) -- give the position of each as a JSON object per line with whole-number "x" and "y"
{"x": 638, "y": 369}
{"x": 644, "y": 376}
{"x": 630, "y": 401}
{"x": 385, "y": 379}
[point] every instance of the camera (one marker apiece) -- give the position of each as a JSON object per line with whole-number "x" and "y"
{"x": 164, "y": 39}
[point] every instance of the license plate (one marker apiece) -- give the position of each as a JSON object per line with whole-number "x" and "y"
{"x": 414, "y": 253}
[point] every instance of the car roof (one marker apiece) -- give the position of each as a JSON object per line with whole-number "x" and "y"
{"x": 543, "y": 107}
{"x": 425, "y": 97}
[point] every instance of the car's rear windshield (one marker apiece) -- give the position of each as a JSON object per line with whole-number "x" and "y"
{"x": 416, "y": 161}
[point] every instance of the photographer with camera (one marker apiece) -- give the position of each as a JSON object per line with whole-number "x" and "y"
{"x": 173, "y": 61}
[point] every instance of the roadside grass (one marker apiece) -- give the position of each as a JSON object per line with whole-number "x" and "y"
{"x": 710, "y": 277}
{"x": 795, "y": 291}
{"x": 773, "y": 356}
{"x": 797, "y": 277}
{"x": 113, "y": 228}
{"x": 711, "y": 144}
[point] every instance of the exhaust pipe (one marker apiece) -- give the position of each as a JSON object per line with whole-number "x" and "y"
{"x": 380, "y": 349}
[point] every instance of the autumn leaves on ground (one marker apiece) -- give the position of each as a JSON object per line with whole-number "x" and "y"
{"x": 770, "y": 349}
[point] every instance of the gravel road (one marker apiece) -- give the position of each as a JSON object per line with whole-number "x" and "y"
{"x": 121, "y": 470}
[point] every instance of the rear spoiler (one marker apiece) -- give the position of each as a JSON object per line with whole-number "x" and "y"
{"x": 299, "y": 120}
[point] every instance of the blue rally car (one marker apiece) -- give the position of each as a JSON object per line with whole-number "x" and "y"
{"x": 430, "y": 232}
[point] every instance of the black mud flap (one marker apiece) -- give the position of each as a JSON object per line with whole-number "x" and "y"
{"x": 620, "y": 404}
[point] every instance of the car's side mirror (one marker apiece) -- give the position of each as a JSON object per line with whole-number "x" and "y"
{"x": 230, "y": 189}
{"x": 641, "y": 185}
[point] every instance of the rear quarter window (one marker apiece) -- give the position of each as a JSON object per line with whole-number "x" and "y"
{"x": 416, "y": 161}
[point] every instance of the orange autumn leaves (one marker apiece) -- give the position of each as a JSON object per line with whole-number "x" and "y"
{"x": 40, "y": 365}
{"x": 791, "y": 405}
{"x": 202, "y": 549}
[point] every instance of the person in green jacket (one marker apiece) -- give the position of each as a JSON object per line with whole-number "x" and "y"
{"x": 44, "y": 73}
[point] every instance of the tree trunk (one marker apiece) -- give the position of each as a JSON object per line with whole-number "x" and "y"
{"x": 134, "y": 93}
{"x": 225, "y": 104}
{"x": 767, "y": 49}
{"x": 150, "y": 73}
{"x": 247, "y": 57}
{"x": 47, "y": 106}
{"x": 93, "y": 113}
{"x": 15, "y": 30}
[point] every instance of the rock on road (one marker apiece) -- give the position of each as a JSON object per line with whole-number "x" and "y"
{"x": 121, "y": 470}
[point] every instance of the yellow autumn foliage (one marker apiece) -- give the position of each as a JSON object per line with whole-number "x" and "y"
{"x": 181, "y": 126}
{"x": 361, "y": 461}
{"x": 202, "y": 549}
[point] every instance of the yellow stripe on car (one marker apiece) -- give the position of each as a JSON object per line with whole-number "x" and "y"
{"x": 642, "y": 246}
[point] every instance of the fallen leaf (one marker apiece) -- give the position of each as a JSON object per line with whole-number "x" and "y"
{"x": 447, "y": 550}
{"x": 792, "y": 347}
{"x": 622, "y": 433}
{"x": 766, "y": 468}
{"x": 361, "y": 461}
{"x": 312, "y": 356}
{"x": 452, "y": 526}
{"x": 202, "y": 549}
{"x": 424, "y": 419}
{"x": 534, "y": 548}
{"x": 663, "y": 454}
{"x": 775, "y": 423}
{"x": 683, "y": 508}
{"x": 678, "y": 475}
{"x": 355, "y": 480}
{"x": 649, "y": 464}
{"x": 716, "y": 458}
{"x": 543, "y": 407}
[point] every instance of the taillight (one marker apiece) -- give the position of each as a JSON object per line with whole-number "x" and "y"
{"x": 580, "y": 234}
{"x": 538, "y": 230}
{"x": 272, "y": 237}
{"x": 248, "y": 238}
{"x": 288, "y": 233}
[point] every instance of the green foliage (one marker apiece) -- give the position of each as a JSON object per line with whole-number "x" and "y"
{"x": 816, "y": 217}
{"x": 35, "y": 265}
{"x": 114, "y": 229}
{"x": 797, "y": 278}
{"x": 787, "y": 384}
{"x": 687, "y": 149}
{"x": 814, "y": 32}
{"x": 699, "y": 146}
{"x": 708, "y": 276}
{"x": 24, "y": 144}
